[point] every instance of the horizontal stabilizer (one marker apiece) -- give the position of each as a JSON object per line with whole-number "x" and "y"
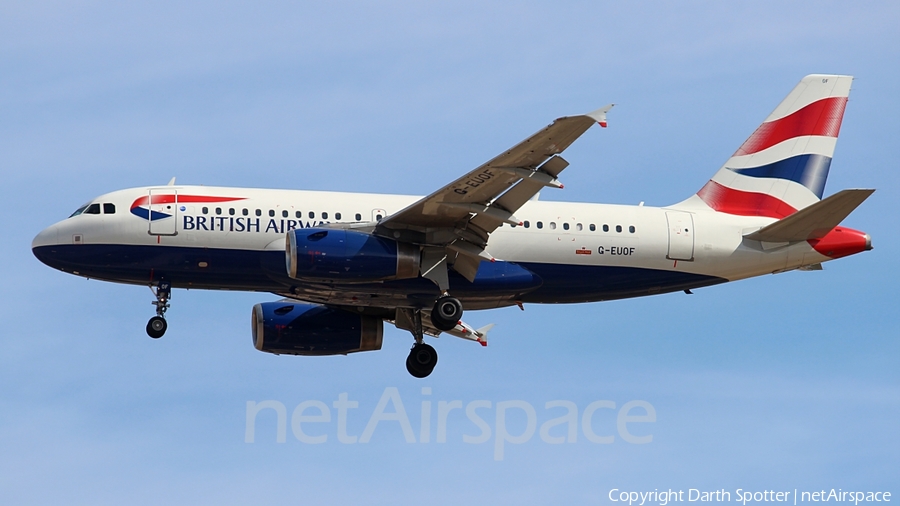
{"x": 814, "y": 221}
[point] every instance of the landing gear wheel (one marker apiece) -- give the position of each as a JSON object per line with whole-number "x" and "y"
{"x": 446, "y": 313}
{"x": 421, "y": 360}
{"x": 156, "y": 327}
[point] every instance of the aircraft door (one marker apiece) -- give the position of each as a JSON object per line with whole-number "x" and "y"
{"x": 163, "y": 215}
{"x": 681, "y": 235}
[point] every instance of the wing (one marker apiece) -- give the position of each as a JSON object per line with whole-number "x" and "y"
{"x": 458, "y": 218}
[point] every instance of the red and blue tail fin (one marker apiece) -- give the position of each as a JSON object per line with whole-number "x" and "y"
{"x": 783, "y": 166}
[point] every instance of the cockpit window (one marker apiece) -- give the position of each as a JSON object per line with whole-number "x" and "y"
{"x": 108, "y": 208}
{"x": 79, "y": 211}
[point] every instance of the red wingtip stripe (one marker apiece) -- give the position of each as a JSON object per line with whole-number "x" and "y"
{"x": 731, "y": 201}
{"x": 822, "y": 117}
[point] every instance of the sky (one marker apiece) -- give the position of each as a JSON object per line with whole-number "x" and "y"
{"x": 785, "y": 382}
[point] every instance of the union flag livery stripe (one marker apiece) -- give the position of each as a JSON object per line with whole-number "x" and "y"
{"x": 822, "y": 118}
{"x": 731, "y": 201}
{"x": 809, "y": 170}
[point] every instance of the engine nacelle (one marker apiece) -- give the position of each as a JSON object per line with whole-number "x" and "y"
{"x": 297, "y": 328}
{"x": 345, "y": 255}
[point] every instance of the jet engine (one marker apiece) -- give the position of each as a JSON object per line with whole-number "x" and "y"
{"x": 297, "y": 328}
{"x": 347, "y": 256}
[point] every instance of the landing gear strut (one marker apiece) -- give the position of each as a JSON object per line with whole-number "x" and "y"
{"x": 447, "y": 313}
{"x": 157, "y": 325}
{"x": 422, "y": 357}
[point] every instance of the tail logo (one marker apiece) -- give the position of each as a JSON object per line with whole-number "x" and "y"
{"x": 783, "y": 165}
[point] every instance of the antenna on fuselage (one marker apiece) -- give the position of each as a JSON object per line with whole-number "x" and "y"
{"x": 171, "y": 182}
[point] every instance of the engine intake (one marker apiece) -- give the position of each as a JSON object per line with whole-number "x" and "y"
{"x": 348, "y": 256}
{"x": 310, "y": 329}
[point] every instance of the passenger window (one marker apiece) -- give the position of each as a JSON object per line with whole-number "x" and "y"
{"x": 93, "y": 209}
{"x": 578, "y": 227}
{"x": 324, "y": 216}
{"x": 259, "y": 212}
{"x": 312, "y": 215}
{"x": 358, "y": 217}
{"x": 378, "y": 217}
{"x": 593, "y": 227}
{"x": 231, "y": 211}
{"x": 245, "y": 212}
{"x": 540, "y": 224}
{"x": 606, "y": 228}
{"x": 337, "y": 216}
{"x": 618, "y": 228}
{"x": 218, "y": 210}
{"x": 109, "y": 209}
{"x": 631, "y": 229}
{"x": 552, "y": 225}
{"x": 298, "y": 214}
{"x": 565, "y": 226}
{"x": 205, "y": 210}
{"x": 284, "y": 214}
{"x": 527, "y": 224}
{"x": 271, "y": 213}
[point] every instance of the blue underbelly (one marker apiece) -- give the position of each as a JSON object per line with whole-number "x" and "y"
{"x": 209, "y": 268}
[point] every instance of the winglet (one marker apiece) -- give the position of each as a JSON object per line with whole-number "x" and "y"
{"x": 482, "y": 333}
{"x": 600, "y": 114}
{"x": 465, "y": 331}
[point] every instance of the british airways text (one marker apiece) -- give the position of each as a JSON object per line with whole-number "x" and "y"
{"x": 244, "y": 224}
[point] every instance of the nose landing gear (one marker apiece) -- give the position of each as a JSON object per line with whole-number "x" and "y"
{"x": 157, "y": 325}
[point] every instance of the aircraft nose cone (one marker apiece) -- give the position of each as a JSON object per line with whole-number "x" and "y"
{"x": 44, "y": 244}
{"x": 48, "y": 237}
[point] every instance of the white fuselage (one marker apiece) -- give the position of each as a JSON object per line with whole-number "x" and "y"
{"x": 668, "y": 241}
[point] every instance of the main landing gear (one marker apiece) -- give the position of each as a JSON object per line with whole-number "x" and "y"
{"x": 421, "y": 360}
{"x": 157, "y": 325}
{"x": 422, "y": 357}
{"x": 445, "y": 315}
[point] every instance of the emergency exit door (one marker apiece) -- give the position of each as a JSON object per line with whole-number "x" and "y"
{"x": 681, "y": 235}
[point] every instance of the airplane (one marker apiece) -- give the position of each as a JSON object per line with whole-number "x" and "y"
{"x": 344, "y": 264}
